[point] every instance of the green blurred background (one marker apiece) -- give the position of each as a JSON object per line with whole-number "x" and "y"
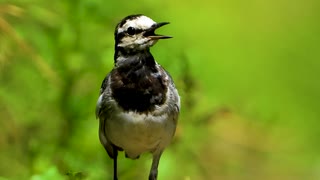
{"x": 247, "y": 71}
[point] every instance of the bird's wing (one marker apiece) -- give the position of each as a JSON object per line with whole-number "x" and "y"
{"x": 99, "y": 105}
{"x": 174, "y": 98}
{"x": 103, "y": 138}
{"x": 175, "y": 104}
{"x": 103, "y": 113}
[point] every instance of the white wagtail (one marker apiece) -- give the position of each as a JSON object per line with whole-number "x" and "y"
{"x": 138, "y": 107}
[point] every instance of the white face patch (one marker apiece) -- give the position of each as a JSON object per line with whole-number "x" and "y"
{"x": 141, "y": 22}
{"x": 138, "y": 42}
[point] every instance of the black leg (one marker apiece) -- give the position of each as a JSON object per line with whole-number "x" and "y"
{"x": 154, "y": 167}
{"x": 115, "y": 156}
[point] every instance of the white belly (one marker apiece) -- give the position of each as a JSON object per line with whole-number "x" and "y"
{"x": 138, "y": 133}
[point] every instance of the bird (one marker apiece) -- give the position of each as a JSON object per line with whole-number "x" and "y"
{"x": 138, "y": 106}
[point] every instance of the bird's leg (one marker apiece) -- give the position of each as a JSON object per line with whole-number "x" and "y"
{"x": 154, "y": 167}
{"x": 115, "y": 156}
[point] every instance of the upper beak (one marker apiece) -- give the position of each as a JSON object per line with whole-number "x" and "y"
{"x": 150, "y": 32}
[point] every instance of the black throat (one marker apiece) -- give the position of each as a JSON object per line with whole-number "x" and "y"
{"x": 137, "y": 83}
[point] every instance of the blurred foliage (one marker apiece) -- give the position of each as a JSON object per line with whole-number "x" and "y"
{"x": 247, "y": 72}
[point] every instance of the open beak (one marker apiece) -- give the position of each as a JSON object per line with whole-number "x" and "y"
{"x": 150, "y": 32}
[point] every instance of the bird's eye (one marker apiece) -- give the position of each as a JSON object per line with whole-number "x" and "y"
{"x": 131, "y": 31}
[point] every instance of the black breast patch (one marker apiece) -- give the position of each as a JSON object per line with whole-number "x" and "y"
{"x": 138, "y": 85}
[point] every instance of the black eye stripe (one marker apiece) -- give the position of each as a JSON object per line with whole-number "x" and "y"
{"x": 122, "y": 34}
{"x": 138, "y": 31}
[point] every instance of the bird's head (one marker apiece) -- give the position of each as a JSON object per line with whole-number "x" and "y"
{"x": 137, "y": 33}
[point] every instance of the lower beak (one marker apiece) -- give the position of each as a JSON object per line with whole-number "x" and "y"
{"x": 159, "y": 37}
{"x": 150, "y": 33}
